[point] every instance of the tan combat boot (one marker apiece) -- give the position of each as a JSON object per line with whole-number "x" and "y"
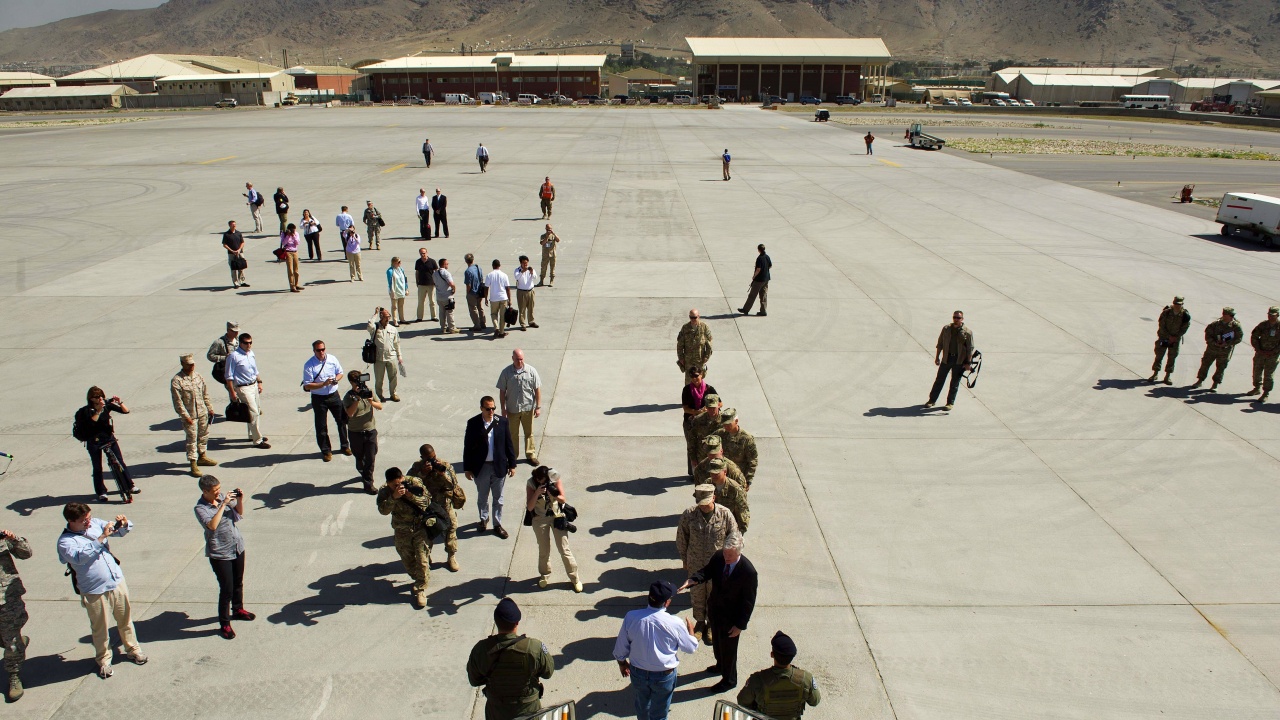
{"x": 420, "y": 598}
{"x": 15, "y": 687}
{"x": 195, "y": 470}
{"x": 206, "y": 461}
{"x": 453, "y": 562}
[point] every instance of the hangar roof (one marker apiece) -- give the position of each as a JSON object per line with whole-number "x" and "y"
{"x": 779, "y": 49}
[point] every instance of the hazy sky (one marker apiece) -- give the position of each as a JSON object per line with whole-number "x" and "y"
{"x": 29, "y": 13}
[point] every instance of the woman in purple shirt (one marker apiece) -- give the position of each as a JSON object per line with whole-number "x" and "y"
{"x": 289, "y": 244}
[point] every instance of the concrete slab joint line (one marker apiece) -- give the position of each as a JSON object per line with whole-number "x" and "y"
{"x": 1065, "y": 525}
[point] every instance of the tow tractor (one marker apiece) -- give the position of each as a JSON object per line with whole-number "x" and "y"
{"x": 919, "y": 138}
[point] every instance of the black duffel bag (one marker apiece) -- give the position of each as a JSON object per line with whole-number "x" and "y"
{"x": 237, "y": 412}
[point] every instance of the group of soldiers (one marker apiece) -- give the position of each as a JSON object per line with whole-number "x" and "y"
{"x": 422, "y": 507}
{"x": 1221, "y": 337}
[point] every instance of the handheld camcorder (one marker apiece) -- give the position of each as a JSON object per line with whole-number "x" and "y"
{"x": 362, "y": 387}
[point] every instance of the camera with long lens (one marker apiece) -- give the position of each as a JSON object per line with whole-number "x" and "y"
{"x": 362, "y": 388}
{"x": 562, "y": 523}
{"x": 415, "y": 490}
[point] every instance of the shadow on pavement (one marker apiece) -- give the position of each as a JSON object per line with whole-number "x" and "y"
{"x": 660, "y": 550}
{"x": 907, "y": 411}
{"x": 1238, "y": 242}
{"x": 174, "y": 625}
{"x": 291, "y": 492}
{"x": 363, "y": 585}
{"x": 650, "y": 408}
{"x": 640, "y": 524}
{"x": 170, "y": 425}
{"x": 647, "y": 486}
{"x": 1120, "y": 383}
{"x": 219, "y": 288}
{"x": 54, "y": 669}
{"x": 448, "y": 600}
{"x": 258, "y": 461}
{"x": 29, "y": 505}
{"x": 598, "y": 649}
{"x": 615, "y": 703}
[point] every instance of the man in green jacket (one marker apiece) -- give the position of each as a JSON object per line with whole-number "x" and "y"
{"x": 509, "y": 666}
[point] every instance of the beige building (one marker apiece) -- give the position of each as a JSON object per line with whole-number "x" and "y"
{"x": 97, "y": 97}
{"x": 11, "y": 80}
{"x": 228, "y": 85}
{"x": 1270, "y": 103}
{"x": 141, "y": 73}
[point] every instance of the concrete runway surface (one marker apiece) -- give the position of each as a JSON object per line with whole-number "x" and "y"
{"x": 1069, "y": 542}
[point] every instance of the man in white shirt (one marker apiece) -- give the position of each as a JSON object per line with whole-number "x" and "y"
{"x": 320, "y": 376}
{"x": 344, "y": 220}
{"x": 482, "y": 154}
{"x": 499, "y": 297}
{"x": 647, "y": 651}
{"x": 423, "y": 205}
{"x": 526, "y": 280}
{"x": 445, "y": 289}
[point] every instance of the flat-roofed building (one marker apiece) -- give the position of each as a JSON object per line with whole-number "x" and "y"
{"x": 434, "y": 77}
{"x": 1270, "y": 103}
{"x": 738, "y": 67}
{"x": 323, "y": 79}
{"x": 227, "y": 85}
{"x": 11, "y": 80}
{"x": 96, "y": 97}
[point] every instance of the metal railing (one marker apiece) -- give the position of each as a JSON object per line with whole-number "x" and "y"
{"x": 563, "y": 711}
{"x": 726, "y": 710}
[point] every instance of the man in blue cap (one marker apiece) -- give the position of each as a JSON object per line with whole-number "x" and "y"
{"x": 782, "y": 691}
{"x": 646, "y": 651}
{"x": 509, "y": 666}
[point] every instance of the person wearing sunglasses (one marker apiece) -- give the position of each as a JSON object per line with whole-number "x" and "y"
{"x": 954, "y": 355}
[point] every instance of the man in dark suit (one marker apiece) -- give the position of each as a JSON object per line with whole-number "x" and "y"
{"x": 489, "y": 458}
{"x": 733, "y": 598}
{"x": 438, "y": 204}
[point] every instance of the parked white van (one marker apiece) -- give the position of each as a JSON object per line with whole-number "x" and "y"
{"x": 460, "y": 98}
{"x": 533, "y": 99}
{"x": 492, "y": 98}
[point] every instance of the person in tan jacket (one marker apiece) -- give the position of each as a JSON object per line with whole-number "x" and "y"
{"x": 192, "y": 403}
{"x": 954, "y": 354}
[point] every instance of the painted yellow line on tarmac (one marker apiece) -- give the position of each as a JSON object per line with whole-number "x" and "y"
{"x": 504, "y": 127}
{"x": 783, "y": 127}
{"x": 217, "y": 160}
{"x": 890, "y": 163}
{"x": 394, "y": 168}
{"x": 396, "y": 125}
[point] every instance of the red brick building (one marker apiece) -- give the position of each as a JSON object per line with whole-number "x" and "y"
{"x": 788, "y": 67}
{"x": 434, "y": 77}
{"x": 323, "y": 79}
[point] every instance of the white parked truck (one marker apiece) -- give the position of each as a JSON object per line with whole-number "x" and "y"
{"x": 1258, "y": 214}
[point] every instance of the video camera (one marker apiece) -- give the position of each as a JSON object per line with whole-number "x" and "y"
{"x": 361, "y": 387}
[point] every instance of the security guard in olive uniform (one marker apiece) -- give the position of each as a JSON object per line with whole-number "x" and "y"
{"x": 1265, "y": 340}
{"x": 442, "y": 485}
{"x": 1172, "y": 325}
{"x": 693, "y": 345}
{"x": 405, "y": 499}
{"x": 711, "y": 448}
{"x": 509, "y": 666}
{"x": 1220, "y": 339}
{"x": 738, "y": 444}
{"x": 729, "y": 493}
{"x": 782, "y": 691}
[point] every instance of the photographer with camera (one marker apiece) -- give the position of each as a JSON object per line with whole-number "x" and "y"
{"x": 548, "y": 513}
{"x": 442, "y": 484}
{"x": 93, "y": 427}
{"x": 361, "y": 427}
{"x": 405, "y": 499}
{"x": 219, "y": 515}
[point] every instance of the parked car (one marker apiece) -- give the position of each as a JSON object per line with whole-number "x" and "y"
{"x": 997, "y": 102}
{"x": 774, "y": 99}
{"x": 809, "y": 100}
{"x": 622, "y": 97}
{"x": 1028, "y": 103}
{"x": 950, "y": 101}
{"x": 848, "y": 100}
{"x": 1014, "y": 102}
{"x": 226, "y": 103}
{"x": 965, "y": 102}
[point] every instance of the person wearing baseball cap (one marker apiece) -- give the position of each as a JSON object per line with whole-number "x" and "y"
{"x": 1265, "y": 340}
{"x": 647, "y": 651}
{"x": 219, "y": 351}
{"x": 782, "y": 691}
{"x": 191, "y": 401}
{"x": 509, "y": 666}
{"x": 1220, "y": 339}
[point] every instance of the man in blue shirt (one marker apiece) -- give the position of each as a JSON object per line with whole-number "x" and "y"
{"x": 255, "y": 205}
{"x": 320, "y": 376}
{"x": 646, "y": 651}
{"x": 473, "y": 279}
{"x": 245, "y": 385}
{"x": 759, "y": 283}
{"x": 96, "y": 573}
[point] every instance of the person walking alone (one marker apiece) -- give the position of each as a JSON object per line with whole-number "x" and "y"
{"x": 725, "y": 159}
{"x": 759, "y": 283}
{"x": 953, "y": 355}
{"x": 546, "y": 195}
{"x": 398, "y": 289}
{"x": 289, "y": 244}
{"x": 868, "y": 139}
{"x": 427, "y": 152}
{"x": 219, "y": 515}
{"x": 482, "y": 156}
{"x": 191, "y": 401}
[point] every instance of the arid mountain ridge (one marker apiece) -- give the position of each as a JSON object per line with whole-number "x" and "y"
{"x": 1230, "y": 33}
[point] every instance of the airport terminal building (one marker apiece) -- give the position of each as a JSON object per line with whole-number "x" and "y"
{"x": 434, "y": 77}
{"x": 791, "y": 68}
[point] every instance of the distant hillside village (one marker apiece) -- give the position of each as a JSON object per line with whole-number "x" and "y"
{"x": 844, "y": 70}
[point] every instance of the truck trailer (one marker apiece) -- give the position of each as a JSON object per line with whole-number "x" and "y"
{"x": 1250, "y": 212}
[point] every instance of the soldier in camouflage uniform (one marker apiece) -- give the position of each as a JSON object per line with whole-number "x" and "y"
{"x": 693, "y": 345}
{"x": 1172, "y": 325}
{"x": 702, "y": 425}
{"x": 1220, "y": 339}
{"x": 1265, "y": 340}
{"x": 730, "y": 493}
{"x": 738, "y": 444}
{"x": 711, "y": 449}
{"x": 405, "y": 499}
{"x": 782, "y": 691}
{"x": 13, "y": 611}
{"x": 191, "y": 401}
{"x": 442, "y": 485}
{"x": 509, "y": 667}
{"x": 701, "y": 532}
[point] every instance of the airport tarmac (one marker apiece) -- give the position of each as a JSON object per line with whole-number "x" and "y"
{"x": 1070, "y": 541}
